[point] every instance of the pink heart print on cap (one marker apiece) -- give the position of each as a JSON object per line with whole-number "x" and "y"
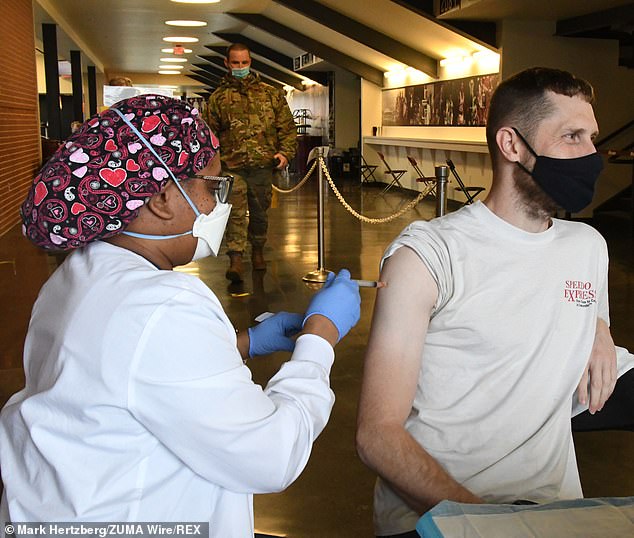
{"x": 95, "y": 183}
{"x": 134, "y": 147}
{"x": 78, "y": 156}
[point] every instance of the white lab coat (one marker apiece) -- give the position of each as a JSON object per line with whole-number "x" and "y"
{"x": 138, "y": 407}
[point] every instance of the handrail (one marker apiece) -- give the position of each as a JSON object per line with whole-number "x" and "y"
{"x": 614, "y": 134}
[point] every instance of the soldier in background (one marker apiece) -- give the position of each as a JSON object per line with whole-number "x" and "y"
{"x": 258, "y": 136}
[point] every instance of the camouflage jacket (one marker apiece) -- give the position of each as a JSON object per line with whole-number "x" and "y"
{"x": 253, "y": 122}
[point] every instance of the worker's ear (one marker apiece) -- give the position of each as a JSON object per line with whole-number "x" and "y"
{"x": 509, "y": 144}
{"x": 165, "y": 204}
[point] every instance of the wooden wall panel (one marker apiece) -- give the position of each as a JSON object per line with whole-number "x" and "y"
{"x": 20, "y": 149}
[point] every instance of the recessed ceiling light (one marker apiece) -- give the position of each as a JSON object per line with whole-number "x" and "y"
{"x": 176, "y": 39}
{"x": 170, "y": 72}
{"x": 171, "y": 51}
{"x": 168, "y": 86}
{"x": 170, "y": 66}
{"x": 196, "y": 1}
{"x": 174, "y": 60}
{"x": 186, "y": 23}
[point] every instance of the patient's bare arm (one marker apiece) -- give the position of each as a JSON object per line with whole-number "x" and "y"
{"x": 391, "y": 370}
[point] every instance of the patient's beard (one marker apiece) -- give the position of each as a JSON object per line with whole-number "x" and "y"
{"x": 531, "y": 199}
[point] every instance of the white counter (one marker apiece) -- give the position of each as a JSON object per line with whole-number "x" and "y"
{"x": 469, "y": 146}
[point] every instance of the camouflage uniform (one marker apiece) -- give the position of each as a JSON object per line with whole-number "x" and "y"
{"x": 253, "y": 122}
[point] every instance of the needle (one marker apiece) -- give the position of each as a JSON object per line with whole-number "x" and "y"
{"x": 370, "y": 283}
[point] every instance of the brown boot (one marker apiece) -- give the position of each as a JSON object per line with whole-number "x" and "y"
{"x": 234, "y": 273}
{"x": 257, "y": 258}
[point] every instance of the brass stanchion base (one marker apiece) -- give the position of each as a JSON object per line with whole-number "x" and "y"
{"x": 318, "y": 276}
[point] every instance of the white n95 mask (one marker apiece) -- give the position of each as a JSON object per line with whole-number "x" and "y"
{"x": 209, "y": 230}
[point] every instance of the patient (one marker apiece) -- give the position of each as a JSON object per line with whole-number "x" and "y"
{"x": 467, "y": 392}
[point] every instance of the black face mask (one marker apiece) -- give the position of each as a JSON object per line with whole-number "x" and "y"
{"x": 569, "y": 182}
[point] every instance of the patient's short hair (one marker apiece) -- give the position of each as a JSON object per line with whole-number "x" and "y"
{"x": 521, "y": 101}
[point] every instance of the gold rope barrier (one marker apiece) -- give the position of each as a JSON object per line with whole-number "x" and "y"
{"x": 301, "y": 183}
{"x": 363, "y": 218}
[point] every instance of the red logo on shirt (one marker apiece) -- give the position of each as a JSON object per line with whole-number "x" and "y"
{"x": 580, "y": 292}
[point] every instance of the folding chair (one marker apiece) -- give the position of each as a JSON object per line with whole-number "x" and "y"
{"x": 396, "y": 174}
{"x": 461, "y": 186}
{"x": 367, "y": 171}
{"x": 429, "y": 182}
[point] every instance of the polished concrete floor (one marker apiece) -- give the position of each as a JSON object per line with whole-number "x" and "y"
{"x": 333, "y": 497}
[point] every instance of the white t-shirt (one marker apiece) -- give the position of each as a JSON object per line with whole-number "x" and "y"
{"x": 508, "y": 340}
{"x": 138, "y": 406}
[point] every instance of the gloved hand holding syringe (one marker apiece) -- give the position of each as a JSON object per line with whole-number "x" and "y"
{"x": 276, "y": 332}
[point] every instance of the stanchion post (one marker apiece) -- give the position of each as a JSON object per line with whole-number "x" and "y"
{"x": 442, "y": 175}
{"x": 319, "y": 275}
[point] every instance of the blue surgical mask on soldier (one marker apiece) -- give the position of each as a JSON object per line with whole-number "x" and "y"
{"x": 569, "y": 182}
{"x": 241, "y": 72}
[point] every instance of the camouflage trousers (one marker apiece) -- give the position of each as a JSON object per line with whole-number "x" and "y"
{"x": 251, "y": 189}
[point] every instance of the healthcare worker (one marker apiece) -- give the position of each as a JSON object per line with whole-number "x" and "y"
{"x": 137, "y": 405}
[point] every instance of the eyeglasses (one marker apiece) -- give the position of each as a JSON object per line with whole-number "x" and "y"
{"x": 223, "y": 189}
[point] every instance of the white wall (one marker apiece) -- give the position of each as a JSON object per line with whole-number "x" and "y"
{"x": 370, "y": 107}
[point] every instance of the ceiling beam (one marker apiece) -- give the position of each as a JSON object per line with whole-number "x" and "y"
{"x": 258, "y": 48}
{"x": 212, "y": 71}
{"x": 364, "y": 34}
{"x": 615, "y": 18}
{"x": 317, "y": 76}
{"x": 208, "y": 76}
{"x": 265, "y": 69}
{"x": 204, "y": 75}
{"x": 201, "y": 79}
{"x": 482, "y": 32}
{"x": 219, "y": 62}
{"x": 308, "y": 44}
{"x": 205, "y": 93}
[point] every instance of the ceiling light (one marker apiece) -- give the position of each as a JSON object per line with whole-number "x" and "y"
{"x": 170, "y": 66}
{"x": 186, "y": 23}
{"x": 168, "y": 87}
{"x": 196, "y": 1}
{"x": 174, "y": 39}
{"x": 174, "y": 60}
{"x": 171, "y": 51}
{"x": 169, "y": 72}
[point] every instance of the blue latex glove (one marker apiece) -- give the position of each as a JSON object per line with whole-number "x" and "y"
{"x": 273, "y": 334}
{"x": 339, "y": 301}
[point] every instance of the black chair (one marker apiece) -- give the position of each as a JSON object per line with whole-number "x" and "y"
{"x": 430, "y": 182}
{"x": 469, "y": 192}
{"x": 367, "y": 171}
{"x": 396, "y": 174}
